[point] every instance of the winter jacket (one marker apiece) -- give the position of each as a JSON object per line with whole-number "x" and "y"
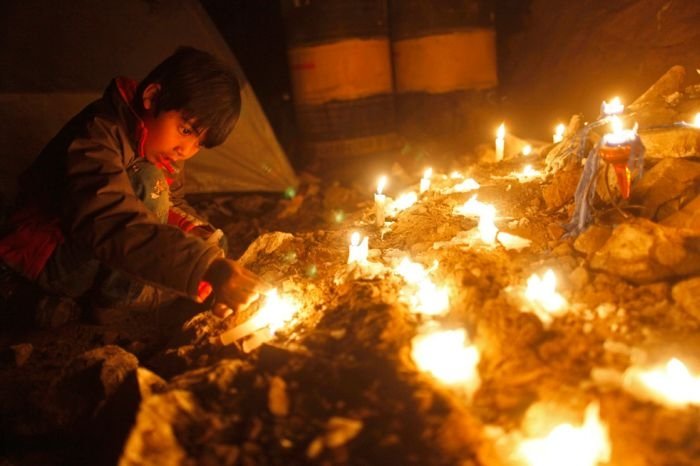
{"x": 78, "y": 187}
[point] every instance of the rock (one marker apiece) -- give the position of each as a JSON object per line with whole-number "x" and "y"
{"x": 563, "y": 250}
{"x": 579, "y": 278}
{"x": 687, "y": 295}
{"x": 671, "y": 142}
{"x": 559, "y": 156}
{"x": 555, "y": 231}
{"x": 265, "y": 244}
{"x": 339, "y": 431}
{"x": 22, "y": 353}
{"x": 669, "y": 83}
{"x": 561, "y": 188}
{"x": 87, "y": 383}
{"x": 688, "y": 217}
{"x": 667, "y": 180}
{"x": 644, "y": 252}
{"x": 592, "y": 239}
{"x": 277, "y": 400}
{"x": 154, "y": 438}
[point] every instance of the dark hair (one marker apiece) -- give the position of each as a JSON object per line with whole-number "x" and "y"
{"x": 199, "y": 85}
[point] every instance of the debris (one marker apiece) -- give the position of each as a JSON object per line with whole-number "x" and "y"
{"x": 277, "y": 400}
{"x": 22, "y": 352}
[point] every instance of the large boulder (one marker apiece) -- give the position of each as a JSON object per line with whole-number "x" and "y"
{"x": 671, "y": 142}
{"x": 667, "y": 180}
{"x": 687, "y": 217}
{"x": 644, "y": 252}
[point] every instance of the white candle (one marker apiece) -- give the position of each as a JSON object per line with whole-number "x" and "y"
{"x": 380, "y": 201}
{"x": 425, "y": 181}
{"x": 487, "y": 228}
{"x": 274, "y": 312}
{"x": 559, "y": 133}
{"x": 500, "y": 142}
{"x": 619, "y": 134}
{"x": 614, "y": 107}
{"x": 358, "y": 249}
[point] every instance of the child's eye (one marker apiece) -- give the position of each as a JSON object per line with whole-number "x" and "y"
{"x": 186, "y": 130}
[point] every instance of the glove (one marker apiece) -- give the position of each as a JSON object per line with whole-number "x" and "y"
{"x": 234, "y": 286}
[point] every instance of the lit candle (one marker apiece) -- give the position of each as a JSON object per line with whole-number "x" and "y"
{"x": 696, "y": 122}
{"x": 358, "y": 249}
{"x": 403, "y": 202}
{"x": 425, "y": 181}
{"x": 500, "y": 141}
{"x": 274, "y": 312}
{"x": 671, "y": 384}
{"x": 545, "y": 300}
{"x": 421, "y": 294}
{"x": 527, "y": 150}
{"x": 614, "y": 107}
{"x": 448, "y": 356}
{"x": 487, "y": 227}
{"x": 619, "y": 135}
{"x": 380, "y": 201}
{"x": 616, "y": 149}
{"x": 559, "y": 133}
{"x": 528, "y": 174}
{"x": 566, "y": 444}
{"x": 471, "y": 208}
{"x": 470, "y": 184}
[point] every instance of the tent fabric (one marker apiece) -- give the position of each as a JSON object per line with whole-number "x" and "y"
{"x": 59, "y": 56}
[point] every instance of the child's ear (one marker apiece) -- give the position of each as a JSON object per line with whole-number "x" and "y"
{"x": 150, "y": 96}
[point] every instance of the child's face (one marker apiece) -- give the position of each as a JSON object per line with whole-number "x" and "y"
{"x": 170, "y": 138}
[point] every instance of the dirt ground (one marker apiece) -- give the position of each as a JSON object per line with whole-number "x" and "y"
{"x": 338, "y": 385}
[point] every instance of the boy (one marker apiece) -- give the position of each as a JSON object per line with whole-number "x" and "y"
{"x": 101, "y": 214}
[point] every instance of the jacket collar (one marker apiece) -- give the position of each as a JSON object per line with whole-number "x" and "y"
{"x": 121, "y": 92}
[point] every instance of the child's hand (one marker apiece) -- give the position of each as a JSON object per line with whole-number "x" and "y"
{"x": 235, "y": 287}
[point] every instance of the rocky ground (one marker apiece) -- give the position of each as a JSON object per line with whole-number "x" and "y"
{"x": 338, "y": 384}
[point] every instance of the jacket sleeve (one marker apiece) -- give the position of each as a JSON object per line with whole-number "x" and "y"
{"x": 103, "y": 212}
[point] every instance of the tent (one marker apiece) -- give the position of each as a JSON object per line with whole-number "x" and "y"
{"x": 59, "y": 56}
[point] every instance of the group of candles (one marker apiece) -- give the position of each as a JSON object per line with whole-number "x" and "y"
{"x": 449, "y": 356}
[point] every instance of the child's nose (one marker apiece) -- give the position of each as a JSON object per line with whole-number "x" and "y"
{"x": 187, "y": 149}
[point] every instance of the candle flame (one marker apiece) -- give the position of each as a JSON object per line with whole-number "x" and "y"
{"x": 421, "y": 294}
{"x": 472, "y": 208}
{"x": 381, "y": 184}
{"x": 448, "y": 356}
{"x": 428, "y": 173}
{"x": 542, "y": 294}
{"x": 614, "y": 107}
{"x": 501, "y": 132}
{"x": 696, "y": 121}
{"x": 587, "y": 445}
{"x": 619, "y": 134}
{"x": 527, "y": 174}
{"x": 470, "y": 184}
{"x": 359, "y": 249}
{"x": 275, "y": 312}
{"x": 527, "y": 150}
{"x": 455, "y": 175}
{"x": 403, "y": 202}
{"x": 559, "y": 133}
{"x": 671, "y": 384}
{"x": 487, "y": 227}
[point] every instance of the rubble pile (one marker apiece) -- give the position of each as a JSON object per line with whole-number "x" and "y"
{"x": 470, "y": 333}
